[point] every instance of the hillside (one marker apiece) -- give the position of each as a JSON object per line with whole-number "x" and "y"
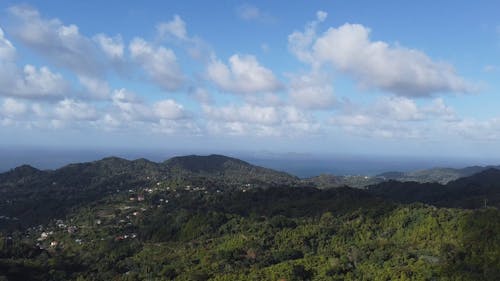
{"x": 469, "y": 192}
{"x": 261, "y": 234}
{"x": 222, "y": 219}
{"x": 227, "y": 169}
{"x": 437, "y": 175}
{"x": 30, "y": 196}
{"x": 331, "y": 181}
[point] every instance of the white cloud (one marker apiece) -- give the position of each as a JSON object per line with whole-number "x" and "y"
{"x": 72, "y": 110}
{"x": 133, "y": 109}
{"x": 113, "y": 47}
{"x": 7, "y": 50}
{"x": 397, "y": 108}
{"x": 38, "y": 110}
{"x": 396, "y": 117}
{"x": 265, "y": 115}
{"x": 130, "y": 107}
{"x": 179, "y": 127}
{"x": 396, "y": 69}
{"x": 202, "y": 95}
{"x": 321, "y": 16}
{"x": 12, "y": 107}
{"x": 265, "y": 99}
{"x": 243, "y": 76}
{"x": 41, "y": 81}
{"x": 299, "y": 42}
{"x": 159, "y": 63}
{"x": 252, "y": 120}
{"x": 477, "y": 130}
{"x": 375, "y": 64}
{"x": 311, "y": 91}
{"x": 96, "y": 87}
{"x": 176, "y": 31}
{"x": 63, "y": 44}
{"x": 169, "y": 110}
{"x": 31, "y": 82}
{"x": 176, "y": 28}
{"x": 438, "y": 108}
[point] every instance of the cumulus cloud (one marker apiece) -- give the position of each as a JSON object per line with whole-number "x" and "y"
{"x": 299, "y": 42}
{"x": 397, "y": 108}
{"x": 265, "y": 99}
{"x": 201, "y": 95}
{"x": 396, "y": 69}
{"x": 258, "y": 120}
{"x": 159, "y": 63}
{"x": 11, "y": 107}
{"x": 31, "y": 82}
{"x": 438, "y": 108}
{"x": 62, "y": 44}
{"x": 476, "y": 130}
{"x": 113, "y": 47}
{"x": 395, "y": 117}
{"x": 41, "y": 81}
{"x": 311, "y": 91}
{"x": 73, "y": 110}
{"x": 375, "y": 64}
{"x": 176, "y": 31}
{"x": 131, "y": 108}
{"x": 169, "y": 110}
{"x": 95, "y": 87}
{"x": 176, "y": 28}
{"x": 265, "y": 115}
{"x": 244, "y": 75}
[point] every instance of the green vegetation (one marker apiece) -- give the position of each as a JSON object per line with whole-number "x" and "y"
{"x": 187, "y": 219}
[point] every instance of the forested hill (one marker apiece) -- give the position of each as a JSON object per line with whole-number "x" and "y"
{"x": 476, "y": 191}
{"x": 434, "y": 175}
{"x": 227, "y": 168}
{"x": 216, "y": 218}
{"x": 33, "y": 196}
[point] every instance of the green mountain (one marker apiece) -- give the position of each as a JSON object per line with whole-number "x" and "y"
{"x": 474, "y": 191}
{"x": 222, "y": 219}
{"x": 19, "y": 175}
{"x": 32, "y": 196}
{"x": 226, "y": 169}
{"x": 438, "y": 175}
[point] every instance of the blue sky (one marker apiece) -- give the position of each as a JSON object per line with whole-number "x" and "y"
{"x": 355, "y": 77}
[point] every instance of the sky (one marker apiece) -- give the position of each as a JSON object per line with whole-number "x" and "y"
{"x": 391, "y": 78}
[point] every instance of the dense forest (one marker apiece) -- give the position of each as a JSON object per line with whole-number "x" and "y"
{"x": 219, "y": 218}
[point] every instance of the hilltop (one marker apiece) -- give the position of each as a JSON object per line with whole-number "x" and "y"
{"x": 34, "y": 196}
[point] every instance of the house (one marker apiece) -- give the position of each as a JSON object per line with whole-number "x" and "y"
{"x": 43, "y": 236}
{"x": 72, "y": 229}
